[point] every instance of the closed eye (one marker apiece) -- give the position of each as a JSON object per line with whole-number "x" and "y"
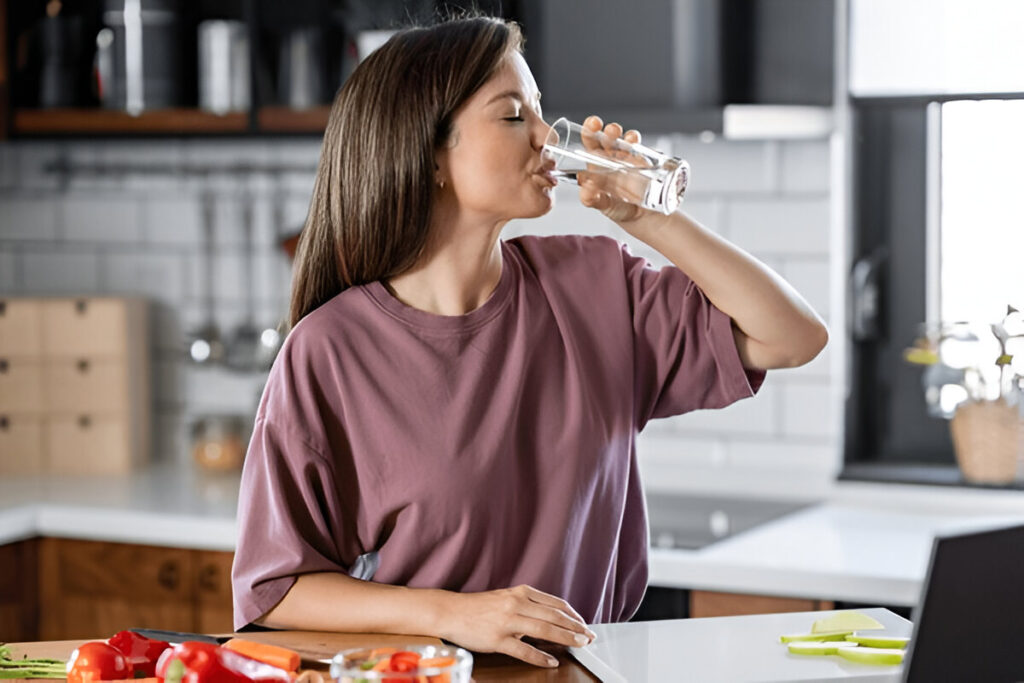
{"x": 513, "y": 118}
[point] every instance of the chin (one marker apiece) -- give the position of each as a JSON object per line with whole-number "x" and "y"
{"x": 542, "y": 207}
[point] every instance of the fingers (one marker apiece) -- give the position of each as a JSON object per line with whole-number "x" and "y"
{"x": 568, "y": 627}
{"x": 558, "y": 603}
{"x": 513, "y": 647}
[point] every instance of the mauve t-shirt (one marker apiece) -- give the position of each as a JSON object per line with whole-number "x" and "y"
{"x": 485, "y": 450}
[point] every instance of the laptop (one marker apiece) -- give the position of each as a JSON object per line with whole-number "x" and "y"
{"x": 969, "y": 622}
{"x": 968, "y": 627}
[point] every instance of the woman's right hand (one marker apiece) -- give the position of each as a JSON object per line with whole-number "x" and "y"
{"x": 496, "y": 621}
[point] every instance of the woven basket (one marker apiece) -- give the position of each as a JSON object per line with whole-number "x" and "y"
{"x": 988, "y": 438}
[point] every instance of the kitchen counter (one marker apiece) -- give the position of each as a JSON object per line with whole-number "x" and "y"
{"x": 866, "y": 543}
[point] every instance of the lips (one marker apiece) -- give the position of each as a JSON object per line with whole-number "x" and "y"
{"x": 547, "y": 172}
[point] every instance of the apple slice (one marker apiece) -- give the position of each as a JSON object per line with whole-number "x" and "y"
{"x": 819, "y": 648}
{"x": 796, "y": 637}
{"x": 871, "y": 655}
{"x": 880, "y": 641}
{"x": 847, "y": 620}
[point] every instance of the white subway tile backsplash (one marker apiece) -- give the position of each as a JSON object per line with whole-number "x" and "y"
{"x": 157, "y": 276}
{"x": 173, "y": 219}
{"x": 102, "y": 217}
{"x": 217, "y": 390}
{"x": 791, "y": 454}
{"x": 810, "y": 278}
{"x": 726, "y": 167}
{"x": 757, "y": 415}
{"x": 784, "y": 226}
{"x": 8, "y": 166}
{"x": 29, "y": 217}
{"x": 8, "y": 265}
{"x": 805, "y": 166}
{"x": 33, "y": 160}
{"x": 808, "y": 409}
{"x": 67, "y": 273}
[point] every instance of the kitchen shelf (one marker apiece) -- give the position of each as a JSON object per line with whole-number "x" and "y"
{"x": 285, "y": 120}
{"x": 83, "y": 120}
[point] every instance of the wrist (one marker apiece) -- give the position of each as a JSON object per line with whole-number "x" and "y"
{"x": 431, "y": 609}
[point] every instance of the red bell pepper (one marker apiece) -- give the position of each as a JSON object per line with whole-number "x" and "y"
{"x": 140, "y": 652}
{"x": 194, "y": 662}
{"x": 96, "y": 661}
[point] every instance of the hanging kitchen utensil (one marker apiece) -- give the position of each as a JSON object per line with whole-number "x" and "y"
{"x": 206, "y": 346}
{"x": 243, "y": 345}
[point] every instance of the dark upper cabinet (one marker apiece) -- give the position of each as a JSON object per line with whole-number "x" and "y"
{"x": 674, "y": 64}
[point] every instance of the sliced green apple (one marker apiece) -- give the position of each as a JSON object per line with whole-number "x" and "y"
{"x": 847, "y": 620}
{"x": 795, "y": 637}
{"x": 879, "y": 641}
{"x": 871, "y": 655}
{"x": 818, "y": 647}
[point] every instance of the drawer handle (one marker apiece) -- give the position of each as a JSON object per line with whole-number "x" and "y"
{"x": 80, "y": 306}
{"x": 4, "y": 365}
{"x": 167, "y": 576}
{"x": 4, "y": 423}
{"x": 84, "y": 421}
{"x": 83, "y": 366}
{"x": 208, "y": 578}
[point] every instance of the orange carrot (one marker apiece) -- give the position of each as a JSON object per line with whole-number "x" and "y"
{"x": 133, "y": 680}
{"x": 274, "y": 655}
{"x": 439, "y": 662}
{"x": 382, "y": 665}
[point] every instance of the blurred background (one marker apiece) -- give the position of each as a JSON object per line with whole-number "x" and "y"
{"x": 156, "y": 165}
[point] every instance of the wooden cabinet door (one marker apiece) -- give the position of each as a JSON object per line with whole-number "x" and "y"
{"x": 714, "y": 604}
{"x": 91, "y": 589}
{"x": 19, "y": 590}
{"x": 213, "y": 591}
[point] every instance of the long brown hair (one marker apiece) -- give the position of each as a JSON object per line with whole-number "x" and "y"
{"x": 374, "y": 189}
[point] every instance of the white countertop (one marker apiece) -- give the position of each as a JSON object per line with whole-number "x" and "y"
{"x": 866, "y": 543}
{"x": 726, "y": 649}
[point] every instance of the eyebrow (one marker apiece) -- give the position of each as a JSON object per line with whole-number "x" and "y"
{"x": 514, "y": 94}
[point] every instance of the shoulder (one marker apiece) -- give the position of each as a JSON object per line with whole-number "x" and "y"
{"x": 557, "y": 253}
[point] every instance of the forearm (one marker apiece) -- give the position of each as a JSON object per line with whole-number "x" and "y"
{"x": 782, "y": 328}
{"x": 336, "y": 602}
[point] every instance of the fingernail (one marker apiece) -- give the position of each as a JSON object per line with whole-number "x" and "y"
{"x": 580, "y": 639}
{"x": 591, "y": 635}
{"x": 552, "y": 661}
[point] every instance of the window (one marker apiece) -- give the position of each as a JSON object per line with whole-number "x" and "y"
{"x": 938, "y": 233}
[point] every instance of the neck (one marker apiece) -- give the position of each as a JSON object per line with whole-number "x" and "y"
{"x": 458, "y": 272}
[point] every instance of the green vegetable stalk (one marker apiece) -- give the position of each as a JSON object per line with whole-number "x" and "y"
{"x": 30, "y": 668}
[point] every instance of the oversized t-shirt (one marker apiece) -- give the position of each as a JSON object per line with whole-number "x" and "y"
{"x": 485, "y": 450}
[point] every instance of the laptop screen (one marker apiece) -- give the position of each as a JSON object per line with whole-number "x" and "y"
{"x": 969, "y": 623}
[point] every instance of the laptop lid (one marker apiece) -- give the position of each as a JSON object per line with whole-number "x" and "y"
{"x": 969, "y": 622}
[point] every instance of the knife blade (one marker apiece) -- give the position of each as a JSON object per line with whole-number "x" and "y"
{"x": 175, "y": 637}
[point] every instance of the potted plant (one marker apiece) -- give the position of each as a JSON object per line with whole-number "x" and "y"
{"x": 974, "y": 377}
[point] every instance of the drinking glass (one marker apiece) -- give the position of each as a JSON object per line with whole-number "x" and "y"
{"x": 626, "y": 170}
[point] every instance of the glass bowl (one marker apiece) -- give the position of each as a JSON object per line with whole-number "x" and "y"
{"x": 434, "y": 664}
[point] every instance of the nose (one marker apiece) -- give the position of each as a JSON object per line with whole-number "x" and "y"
{"x": 539, "y": 131}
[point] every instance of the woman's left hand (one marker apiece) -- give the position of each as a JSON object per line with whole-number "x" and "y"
{"x": 591, "y": 193}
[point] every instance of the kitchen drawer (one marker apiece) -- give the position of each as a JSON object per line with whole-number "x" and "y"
{"x": 21, "y": 327}
{"x": 21, "y": 385}
{"x": 88, "y": 444}
{"x": 21, "y": 445}
{"x": 85, "y": 327}
{"x": 86, "y": 385}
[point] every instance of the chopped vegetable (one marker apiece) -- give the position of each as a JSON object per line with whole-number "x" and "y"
{"x": 847, "y": 620}
{"x": 880, "y": 641}
{"x": 819, "y": 647}
{"x": 140, "y": 652}
{"x": 795, "y": 637}
{"x": 97, "y": 661}
{"x": 30, "y": 668}
{"x": 871, "y": 655}
{"x": 281, "y": 657}
{"x": 195, "y": 662}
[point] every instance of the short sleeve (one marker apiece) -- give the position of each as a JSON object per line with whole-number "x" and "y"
{"x": 685, "y": 352}
{"x": 290, "y": 518}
